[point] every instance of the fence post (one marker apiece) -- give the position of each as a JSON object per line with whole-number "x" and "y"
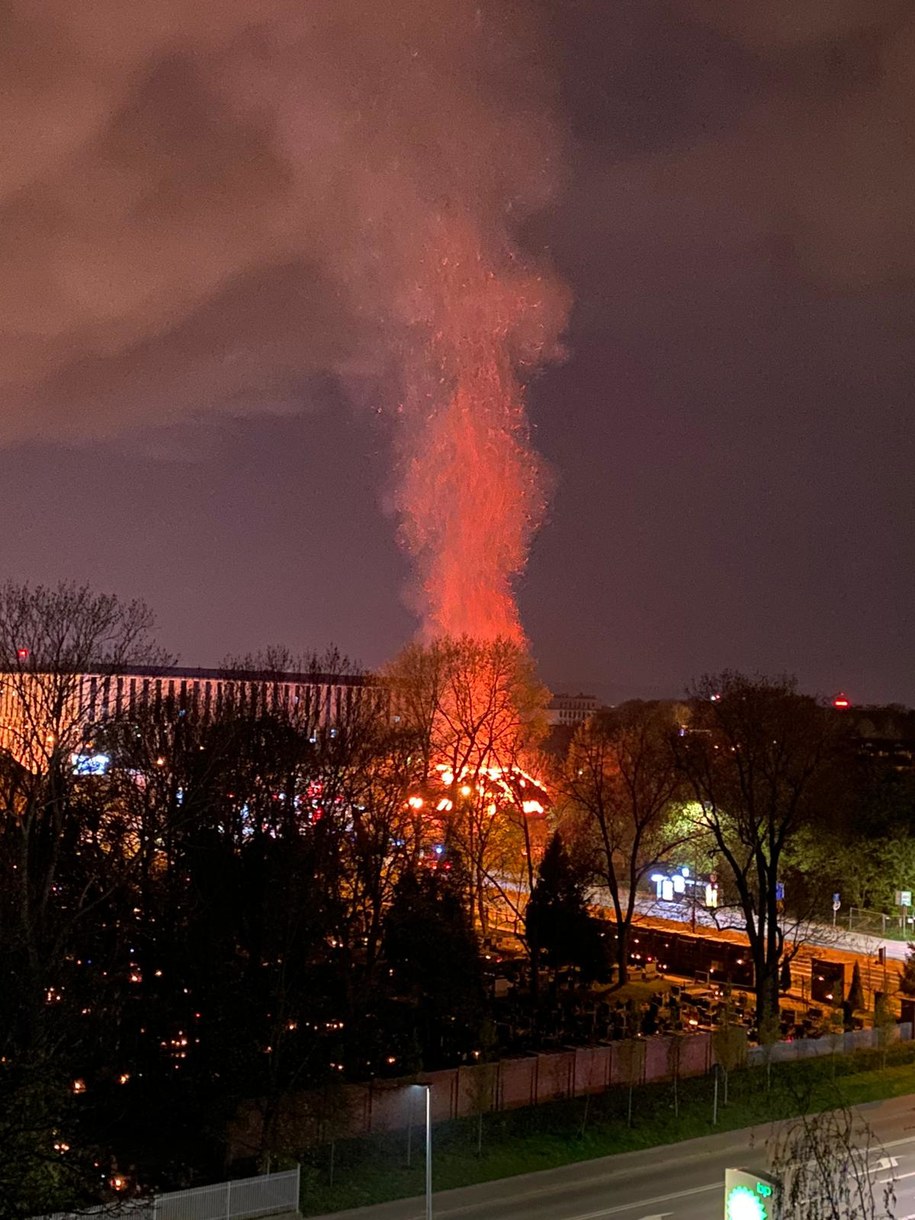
{"x": 298, "y": 1185}
{"x": 228, "y": 1200}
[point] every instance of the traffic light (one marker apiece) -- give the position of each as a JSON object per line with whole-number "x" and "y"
{"x": 749, "y": 1196}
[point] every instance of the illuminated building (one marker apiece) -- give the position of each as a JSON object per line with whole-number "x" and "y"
{"x": 36, "y": 705}
{"x": 571, "y": 709}
{"x": 316, "y": 698}
{"x": 885, "y": 736}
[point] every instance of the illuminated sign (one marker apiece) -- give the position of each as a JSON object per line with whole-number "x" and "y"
{"x": 749, "y": 1196}
{"x": 90, "y": 764}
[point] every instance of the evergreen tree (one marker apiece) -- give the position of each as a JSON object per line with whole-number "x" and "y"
{"x": 856, "y": 991}
{"x": 907, "y": 981}
{"x": 784, "y": 980}
{"x": 433, "y": 957}
{"x": 557, "y": 922}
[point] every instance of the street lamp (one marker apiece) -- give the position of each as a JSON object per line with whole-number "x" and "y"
{"x": 428, "y": 1088}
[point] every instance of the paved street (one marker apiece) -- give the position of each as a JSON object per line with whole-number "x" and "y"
{"x": 824, "y": 935}
{"x": 678, "y": 1182}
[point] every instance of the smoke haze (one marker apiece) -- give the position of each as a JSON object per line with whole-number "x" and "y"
{"x": 203, "y": 208}
{"x": 198, "y": 224}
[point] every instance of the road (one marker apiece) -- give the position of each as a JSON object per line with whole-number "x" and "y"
{"x": 681, "y": 911}
{"x": 828, "y": 937}
{"x": 677, "y": 1182}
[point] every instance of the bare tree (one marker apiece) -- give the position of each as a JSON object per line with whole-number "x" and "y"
{"x": 621, "y": 779}
{"x": 384, "y": 834}
{"x": 884, "y": 1026}
{"x": 51, "y": 640}
{"x": 631, "y": 1054}
{"x": 516, "y": 848}
{"x": 477, "y": 711}
{"x": 757, "y": 756}
{"x": 674, "y": 1066}
{"x": 480, "y": 1091}
{"x": 729, "y": 1041}
{"x": 61, "y": 856}
{"x": 824, "y": 1163}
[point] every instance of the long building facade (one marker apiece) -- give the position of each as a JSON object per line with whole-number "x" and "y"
{"x": 208, "y": 693}
{"x": 38, "y": 709}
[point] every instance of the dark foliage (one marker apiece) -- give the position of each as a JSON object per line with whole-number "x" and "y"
{"x": 434, "y": 966}
{"x": 558, "y": 926}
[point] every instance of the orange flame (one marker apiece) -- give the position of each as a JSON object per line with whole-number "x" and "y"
{"x": 473, "y": 490}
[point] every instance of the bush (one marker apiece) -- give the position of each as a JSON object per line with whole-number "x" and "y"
{"x": 907, "y": 982}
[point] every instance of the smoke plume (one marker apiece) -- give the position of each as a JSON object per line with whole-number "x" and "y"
{"x": 203, "y": 208}
{"x": 471, "y": 491}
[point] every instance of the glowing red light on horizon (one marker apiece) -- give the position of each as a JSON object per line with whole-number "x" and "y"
{"x": 22, "y": 654}
{"x": 841, "y": 701}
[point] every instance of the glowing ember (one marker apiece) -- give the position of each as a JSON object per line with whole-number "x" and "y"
{"x": 476, "y": 708}
{"x": 473, "y": 491}
{"x": 494, "y": 786}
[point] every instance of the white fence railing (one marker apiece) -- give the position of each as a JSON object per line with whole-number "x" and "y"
{"x": 831, "y": 1044}
{"x": 246, "y": 1198}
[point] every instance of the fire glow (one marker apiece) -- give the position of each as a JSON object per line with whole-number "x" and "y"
{"x": 494, "y": 786}
{"x": 472, "y": 490}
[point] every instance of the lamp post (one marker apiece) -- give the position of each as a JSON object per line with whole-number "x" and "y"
{"x": 428, "y": 1089}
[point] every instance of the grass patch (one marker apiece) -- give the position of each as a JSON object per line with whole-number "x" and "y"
{"x": 374, "y": 1170}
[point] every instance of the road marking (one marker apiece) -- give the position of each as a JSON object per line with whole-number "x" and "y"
{"x": 611, "y": 1177}
{"x": 630, "y": 1207}
{"x": 906, "y": 1139}
{"x": 896, "y": 1177}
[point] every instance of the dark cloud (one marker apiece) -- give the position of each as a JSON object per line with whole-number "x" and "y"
{"x": 165, "y": 174}
{"x": 743, "y": 259}
{"x": 224, "y": 210}
{"x": 240, "y": 352}
{"x": 806, "y": 149}
{"x": 777, "y": 26}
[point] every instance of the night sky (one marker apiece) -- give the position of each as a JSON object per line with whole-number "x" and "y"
{"x": 196, "y": 351}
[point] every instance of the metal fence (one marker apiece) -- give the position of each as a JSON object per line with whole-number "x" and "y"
{"x": 876, "y": 923}
{"x": 840, "y": 1043}
{"x": 270, "y": 1194}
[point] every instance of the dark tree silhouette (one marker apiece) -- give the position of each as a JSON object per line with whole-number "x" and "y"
{"x": 758, "y": 756}
{"x": 621, "y": 779}
{"x": 907, "y": 978}
{"x": 433, "y": 957}
{"x": 558, "y": 927}
{"x": 855, "y": 999}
